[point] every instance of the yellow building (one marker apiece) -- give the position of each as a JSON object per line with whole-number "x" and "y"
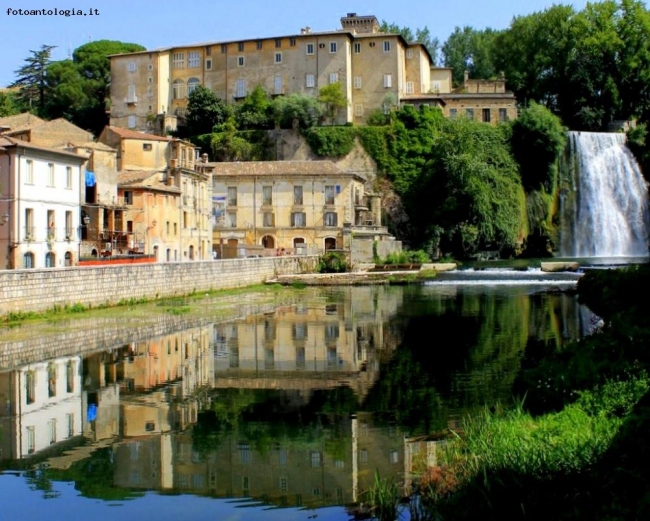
{"x": 295, "y": 206}
{"x": 149, "y": 89}
{"x": 166, "y": 193}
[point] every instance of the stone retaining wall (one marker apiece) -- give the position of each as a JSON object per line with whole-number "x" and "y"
{"x": 41, "y": 289}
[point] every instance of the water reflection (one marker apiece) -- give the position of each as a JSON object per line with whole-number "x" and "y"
{"x": 296, "y": 405}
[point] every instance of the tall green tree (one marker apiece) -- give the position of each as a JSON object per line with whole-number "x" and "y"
{"x": 468, "y": 49}
{"x": 333, "y": 99}
{"x": 9, "y": 105}
{"x": 31, "y": 80}
{"x": 205, "y": 110}
{"x": 253, "y": 111}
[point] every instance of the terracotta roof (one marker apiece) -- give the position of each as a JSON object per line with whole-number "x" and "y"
{"x": 277, "y": 168}
{"x": 95, "y": 145}
{"x": 22, "y": 121}
{"x": 10, "y": 142}
{"x": 145, "y": 179}
{"x": 134, "y": 134}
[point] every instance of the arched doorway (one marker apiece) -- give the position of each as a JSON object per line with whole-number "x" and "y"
{"x": 28, "y": 260}
{"x": 330, "y": 243}
{"x": 299, "y": 245}
{"x": 50, "y": 260}
{"x": 191, "y": 252}
{"x": 268, "y": 241}
{"x": 68, "y": 259}
{"x": 155, "y": 252}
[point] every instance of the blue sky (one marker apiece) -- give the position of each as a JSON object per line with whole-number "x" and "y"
{"x": 159, "y": 23}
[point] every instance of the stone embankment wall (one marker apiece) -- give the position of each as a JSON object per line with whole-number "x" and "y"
{"x": 41, "y": 289}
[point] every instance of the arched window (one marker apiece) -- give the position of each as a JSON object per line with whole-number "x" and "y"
{"x": 49, "y": 260}
{"x": 28, "y": 260}
{"x": 330, "y": 243}
{"x": 192, "y": 84}
{"x": 179, "y": 89}
{"x": 268, "y": 241}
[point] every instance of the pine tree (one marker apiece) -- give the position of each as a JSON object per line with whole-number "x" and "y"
{"x": 32, "y": 79}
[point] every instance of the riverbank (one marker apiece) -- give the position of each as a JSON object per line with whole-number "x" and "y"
{"x": 578, "y": 446}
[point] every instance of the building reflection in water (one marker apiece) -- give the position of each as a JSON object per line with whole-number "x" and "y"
{"x": 266, "y": 406}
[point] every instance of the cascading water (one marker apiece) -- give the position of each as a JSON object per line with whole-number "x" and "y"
{"x": 605, "y": 214}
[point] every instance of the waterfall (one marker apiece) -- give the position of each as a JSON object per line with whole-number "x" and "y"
{"x": 605, "y": 211}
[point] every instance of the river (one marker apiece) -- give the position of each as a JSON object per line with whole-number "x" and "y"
{"x": 279, "y": 405}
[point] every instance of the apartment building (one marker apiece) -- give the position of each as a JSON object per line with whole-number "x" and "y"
{"x": 149, "y": 89}
{"x": 290, "y": 206}
{"x": 39, "y": 205}
{"x": 167, "y": 195}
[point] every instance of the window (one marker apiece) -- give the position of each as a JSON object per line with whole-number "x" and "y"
{"x": 453, "y": 113}
{"x": 193, "y": 59}
{"x": 68, "y": 177}
{"x": 310, "y": 48}
{"x": 278, "y": 43}
{"x": 309, "y": 81}
{"x": 503, "y": 115}
{"x": 268, "y": 219}
{"x": 69, "y": 377}
{"x": 224, "y": 48}
{"x": 240, "y": 47}
{"x": 363, "y": 456}
{"x": 29, "y": 177}
{"x": 357, "y": 82}
{"x": 277, "y": 85}
{"x": 31, "y": 440}
{"x": 178, "y": 89}
{"x": 208, "y": 51}
{"x": 241, "y": 89}
{"x": 51, "y": 429}
{"x": 486, "y": 115}
{"x": 333, "y": 48}
{"x": 334, "y": 77}
{"x": 330, "y": 219}
{"x": 232, "y": 196}
{"x": 315, "y": 458}
{"x": 435, "y": 86}
{"x": 240, "y": 61}
{"x": 409, "y": 54}
{"x": 50, "y": 174}
{"x": 131, "y": 96}
{"x": 292, "y": 42}
{"x": 178, "y": 60}
{"x": 388, "y": 81}
{"x": 299, "y": 331}
{"x": 30, "y": 387}
{"x": 150, "y": 67}
{"x": 208, "y": 64}
{"x": 68, "y": 224}
{"x": 132, "y": 66}
{"x": 244, "y": 457}
{"x": 297, "y": 195}
{"x": 192, "y": 84}
{"x": 128, "y": 197}
{"x": 357, "y": 48}
{"x": 70, "y": 421}
{"x": 298, "y": 219}
{"x": 469, "y": 113}
{"x": 358, "y": 109}
{"x": 29, "y": 223}
{"x": 394, "y": 456}
{"x": 267, "y": 195}
{"x": 51, "y": 380}
{"x": 284, "y": 484}
{"x": 259, "y": 45}
{"x": 386, "y": 45}
{"x": 131, "y": 122}
{"x": 278, "y": 57}
{"x": 409, "y": 87}
{"x": 330, "y": 194}
{"x": 147, "y": 147}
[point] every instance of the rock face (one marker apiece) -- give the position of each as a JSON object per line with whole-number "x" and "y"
{"x": 440, "y": 266}
{"x": 559, "y": 266}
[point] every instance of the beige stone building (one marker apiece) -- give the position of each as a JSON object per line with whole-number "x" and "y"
{"x": 295, "y": 206}
{"x": 149, "y": 89}
{"x": 167, "y": 195}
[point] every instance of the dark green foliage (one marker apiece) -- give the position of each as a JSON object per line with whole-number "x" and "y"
{"x": 295, "y": 111}
{"x": 637, "y": 142}
{"x": 205, "y": 110}
{"x": 332, "y": 262}
{"x": 330, "y": 141}
{"x": 227, "y": 144}
{"x": 538, "y": 139}
{"x": 254, "y": 111}
{"x": 9, "y": 104}
{"x": 470, "y": 50}
{"x": 333, "y": 99}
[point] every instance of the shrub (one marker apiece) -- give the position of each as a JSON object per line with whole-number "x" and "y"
{"x": 332, "y": 262}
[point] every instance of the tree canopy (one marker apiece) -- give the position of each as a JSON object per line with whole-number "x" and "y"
{"x": 31, "y": 80}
